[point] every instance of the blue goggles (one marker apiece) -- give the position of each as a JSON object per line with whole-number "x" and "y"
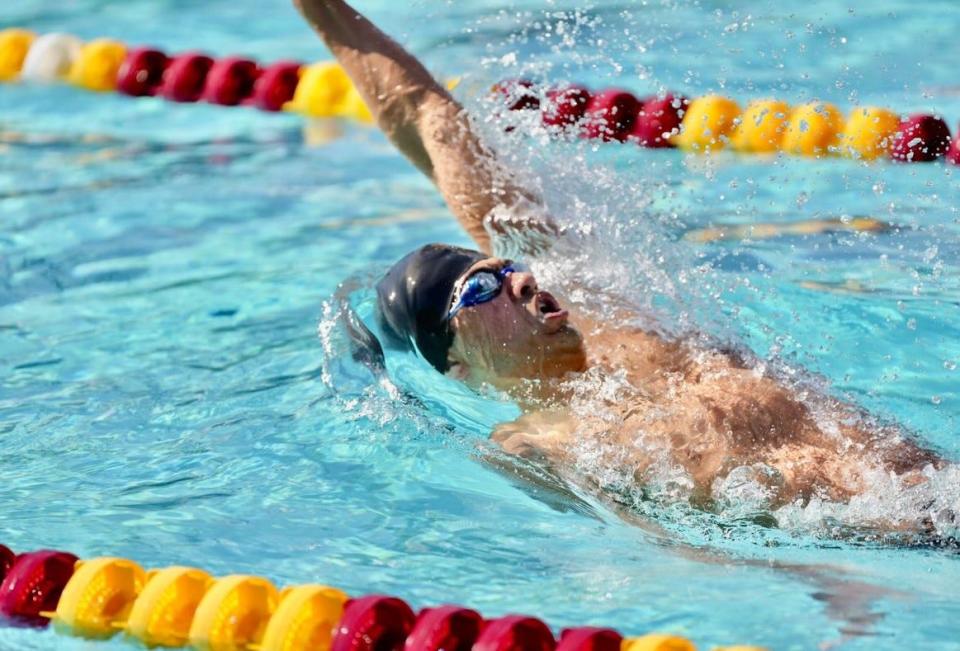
{"x": 481, "y": 287}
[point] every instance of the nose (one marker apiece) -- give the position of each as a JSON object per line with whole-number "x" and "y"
{"x": 522, "y": 285}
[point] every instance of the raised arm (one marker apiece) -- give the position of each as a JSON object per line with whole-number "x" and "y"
{"x": 417, "y": 114}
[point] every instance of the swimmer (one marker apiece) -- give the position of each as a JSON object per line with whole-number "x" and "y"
{"x": 486, "y": 321}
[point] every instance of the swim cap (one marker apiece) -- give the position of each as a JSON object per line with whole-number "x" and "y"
{"x": 414, "y": 296}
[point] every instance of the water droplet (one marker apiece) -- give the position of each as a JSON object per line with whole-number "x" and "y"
{"x": 935, "y": 400}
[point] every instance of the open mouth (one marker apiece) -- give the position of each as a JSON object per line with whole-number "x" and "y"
{"x": 551, "y": 314}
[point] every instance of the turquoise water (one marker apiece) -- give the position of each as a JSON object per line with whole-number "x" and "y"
{"x": 165, "y": 395}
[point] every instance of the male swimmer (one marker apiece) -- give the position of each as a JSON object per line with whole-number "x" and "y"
{"x": 485, "y": 321}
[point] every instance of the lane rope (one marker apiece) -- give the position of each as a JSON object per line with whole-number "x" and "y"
{"x": 320, "y": 89}
{"x": 712, "y": 123}
{"x": 187, "y": 607}
{"x": 702, "y": 124}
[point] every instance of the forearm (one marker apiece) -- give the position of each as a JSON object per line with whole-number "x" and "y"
{"x": 418, "y": 115}
{"x": 391, "y": 81}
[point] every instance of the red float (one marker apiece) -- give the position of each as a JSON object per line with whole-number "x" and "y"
{"x": 515, "y": 633}
{"x": 450, "y": 628}
{"x": 921, "y": 138}
{"x": 142, "y": 72}
{"x": 373, "y": 623}
{"x": 610, "y": 115}
{"x": 34, "y": 585}
{"x": 565, "y": 106}
{"x": 7, "y": 559}
{"x": 589, "y": 638}
{"x": 275, "y": 86}
{"x": 518, "y": 94}
{"x": 230, "y": 81}
{"x": 659, "y": 116}
{"x": 953, "y": 153}
{"x": 185, "y": 77}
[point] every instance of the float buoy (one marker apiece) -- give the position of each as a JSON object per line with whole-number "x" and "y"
{"x": 869, "y": 133}
{"x": 14, "y": 45}
{"x": 445, "y": 628}
{"x": 813, "y": 130}
{"x": 761, "y": 127}
{"x": 33, "y": 585}
{"x": 610, "y": 115}
{"x": 97, "y": 65}
{"x": 707, "y": 124}
{"x": 921, "y": 138}
{"x": 659, "y": 120}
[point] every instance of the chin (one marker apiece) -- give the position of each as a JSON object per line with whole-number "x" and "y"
{"x": 564, "y": 353}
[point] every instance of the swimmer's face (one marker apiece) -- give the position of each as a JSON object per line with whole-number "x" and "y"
{"x": 522, "y": 333}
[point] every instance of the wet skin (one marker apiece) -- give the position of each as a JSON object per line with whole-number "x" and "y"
{"x": 706, "y": 409}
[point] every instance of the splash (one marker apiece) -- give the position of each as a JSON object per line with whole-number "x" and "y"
{"x": 623, "y": 259}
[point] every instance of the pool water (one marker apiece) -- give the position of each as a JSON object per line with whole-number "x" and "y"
{"x": 174, "y": 388}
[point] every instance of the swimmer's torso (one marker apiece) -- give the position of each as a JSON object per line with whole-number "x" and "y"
{"x": 646, "y": 402}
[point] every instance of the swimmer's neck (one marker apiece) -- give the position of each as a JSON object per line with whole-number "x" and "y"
{"x": 605, "y": 348}
{"x": 529, "y": 394}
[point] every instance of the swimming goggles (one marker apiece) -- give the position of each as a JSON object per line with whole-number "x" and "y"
{"x": 482, "y": 286}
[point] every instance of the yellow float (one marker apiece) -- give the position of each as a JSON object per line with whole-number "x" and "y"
{"x": 813, "y": 130}
{"x": 355, "y": 108}
{"x": 657, "y": 642}
{"x": 322, "y": 89}
{"x": 98, "y": 598}
{"x": 305, "y": 619}
{"x": 869, "y": 133}
{"x": 14, "y": 45}
{"x": 761, "y": 127}
{"x": 233, "y": 613}
{"x": 97, "y": 65}
{"x": 708, "y": 122}
{"x": 162, "y": 614}
{"x": 325, "y": 91}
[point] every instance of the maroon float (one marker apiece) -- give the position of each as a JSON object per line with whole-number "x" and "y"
{"x": 589, "y": 638}
{"x": 515, "y": 633}
{"x": 185, "y": 77}
{"x": 921, "y": 138}
{"x": 518, "y": 94}
{"x": 230, "y": 81}
{"x": 34, "y": 585}
{"x": 953, "y": 152}
{"x": 276, "y": 86}
{"x": 373, "y": 623}
{"x": 610, "y": 115}
{"x": 141, "y": 72}
{"x": 658, "y": 119}
{"x": 7, "y": 559}
{"x": 565, "y": 106}
{"x": 450, "y": 628}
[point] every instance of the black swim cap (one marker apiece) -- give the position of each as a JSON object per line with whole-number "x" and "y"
{"x": 413, "y": 299}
